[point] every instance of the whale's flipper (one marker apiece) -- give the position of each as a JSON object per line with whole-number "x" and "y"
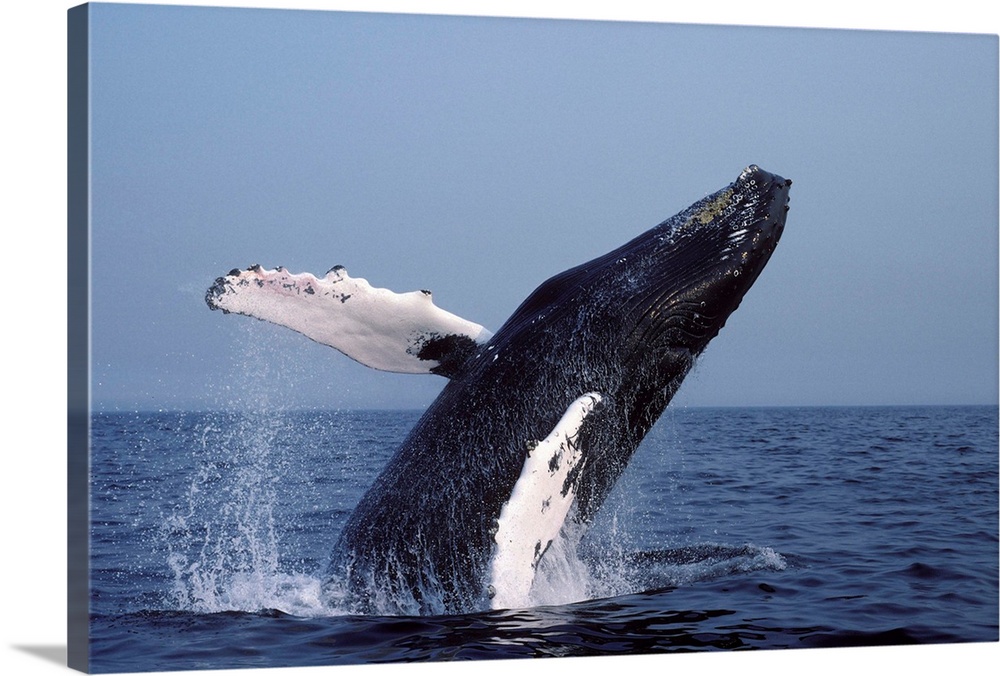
{"x": 537, "y": 508}
{"x": 399, "y": 332}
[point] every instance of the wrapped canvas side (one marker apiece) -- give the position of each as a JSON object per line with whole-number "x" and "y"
{"x": 78, "y": 351}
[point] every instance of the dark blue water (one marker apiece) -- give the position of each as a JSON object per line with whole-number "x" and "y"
{"x": 732, "y": 529}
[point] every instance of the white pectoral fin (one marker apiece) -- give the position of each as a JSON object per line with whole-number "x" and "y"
{"x": 399, "y": 332}
{"x": 537, "y": 508}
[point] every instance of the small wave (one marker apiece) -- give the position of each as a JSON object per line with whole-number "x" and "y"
{"x": 566, "y": 575}
{"x": 293, "y": 594}
{"x": 659, "y": 569}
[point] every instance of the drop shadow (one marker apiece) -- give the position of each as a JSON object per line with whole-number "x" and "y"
{"x": 50, "y": 653}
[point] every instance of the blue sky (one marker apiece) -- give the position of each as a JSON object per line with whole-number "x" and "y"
{"x": 476, "y": 157}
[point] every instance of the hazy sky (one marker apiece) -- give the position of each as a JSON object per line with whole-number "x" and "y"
{"x": 477, "y": 157}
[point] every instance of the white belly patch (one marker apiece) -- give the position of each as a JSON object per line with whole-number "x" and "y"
{"x": 533, "y": 515}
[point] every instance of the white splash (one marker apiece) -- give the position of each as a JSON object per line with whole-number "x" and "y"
{"x": 223, "y": 541}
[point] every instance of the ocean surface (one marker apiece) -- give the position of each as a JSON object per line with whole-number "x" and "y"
{"x": 732, "y": 529}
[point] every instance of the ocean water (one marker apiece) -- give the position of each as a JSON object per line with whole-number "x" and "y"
{"x": 732, "y": 529}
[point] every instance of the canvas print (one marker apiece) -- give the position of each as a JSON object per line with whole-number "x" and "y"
{"x": 402, "y": 338}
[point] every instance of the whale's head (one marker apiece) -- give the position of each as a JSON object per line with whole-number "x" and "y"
{"x": 676, "y": 285}
{"x": 631, "y": 323}
{"x": 686, "y": 277}
{"x": 669, "y": 291}
{"x": 690, "y": 273}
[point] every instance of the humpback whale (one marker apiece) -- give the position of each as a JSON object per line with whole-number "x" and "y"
{"x": 538, "y": 420}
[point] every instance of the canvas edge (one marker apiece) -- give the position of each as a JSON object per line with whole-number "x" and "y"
{"x": 78, "y": 337}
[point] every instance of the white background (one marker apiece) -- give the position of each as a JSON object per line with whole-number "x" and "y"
{"x": 33, "y": 188}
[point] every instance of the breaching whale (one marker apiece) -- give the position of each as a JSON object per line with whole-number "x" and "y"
{"x": 538, "y": 420}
